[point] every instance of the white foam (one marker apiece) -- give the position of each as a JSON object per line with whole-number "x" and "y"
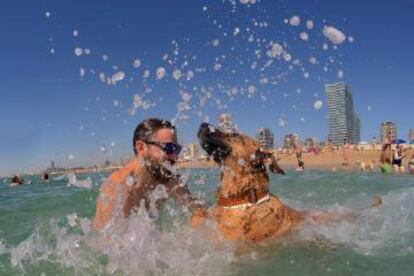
{"x": 215, "y": 42}
{"x": 304, "y": 36}
{"x": 73, "y": 181}
{"x": 78, "y": 51}
{"x": 136, "y": 63}
{"x": 3, "y": 249}
{"x": 177, "y": 74}
{"x": 318, "y": 104}
{"x": 82, "y": 72}
{"x": 371, "y": 229}
{"x": 275, "y": 51}
{"x": 245, "y": 2}
{"x": 117, "y": 76}
{"x": 333, "y": 34}
{"x": 134, "y": 246}
{"x": 309, "y": 24}
{"x": 294, "y": 20}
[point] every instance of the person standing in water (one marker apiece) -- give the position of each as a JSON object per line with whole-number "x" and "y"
{"x": 298, "y": 148}
{"x": 397, "y": 160}
{"x": 156, "y": 152}
{"x": 386, "y": 158}
{"x": 411, "y": 165}
{"x": 345, "y": 152}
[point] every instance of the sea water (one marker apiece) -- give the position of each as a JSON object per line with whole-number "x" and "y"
{"x": 45, "y": 229}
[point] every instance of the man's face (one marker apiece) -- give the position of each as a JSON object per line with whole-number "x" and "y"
{"x": 155, "y": 152}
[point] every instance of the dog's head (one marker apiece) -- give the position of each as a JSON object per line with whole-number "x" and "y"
{"x": 237, "y": 152}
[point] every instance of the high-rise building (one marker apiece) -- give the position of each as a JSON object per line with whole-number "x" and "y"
{"x": 357, "y": 129}
{"x": 265, "y": 138}
{"x": 411, "y": 135}
{"x": 225, "y": 123}
{"x": 388, "y": 131}
{"x": 190, "y": 152}
{"x": 311, "y": 142}
{"x": 343, "y": 122}
{"x": 290, "y": 140}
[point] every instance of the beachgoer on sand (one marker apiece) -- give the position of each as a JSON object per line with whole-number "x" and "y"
{"x": 345, "y": 152}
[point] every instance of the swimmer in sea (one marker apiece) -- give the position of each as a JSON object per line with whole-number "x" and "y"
{"x": 16, "y": 181}
{"x": 45, "y": 177}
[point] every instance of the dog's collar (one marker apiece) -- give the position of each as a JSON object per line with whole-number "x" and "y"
{"x": 246, "y": 205}
{"x": 246, "y": 199}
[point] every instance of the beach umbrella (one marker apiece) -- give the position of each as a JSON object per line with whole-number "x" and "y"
{"x": 399, "y": 141}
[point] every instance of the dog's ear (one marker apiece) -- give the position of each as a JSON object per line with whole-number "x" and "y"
{"x": 274, "y": 166}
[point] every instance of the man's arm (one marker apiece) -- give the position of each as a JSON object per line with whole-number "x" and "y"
{"x": 109, "y": 200}
{"x": 198, "y": 210}
{"x": 105, "y": 205}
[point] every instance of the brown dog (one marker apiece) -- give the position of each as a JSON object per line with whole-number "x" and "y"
{"x": 245, "y": 208}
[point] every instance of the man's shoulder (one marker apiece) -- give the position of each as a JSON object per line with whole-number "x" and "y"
{"x": 121, "y": 175}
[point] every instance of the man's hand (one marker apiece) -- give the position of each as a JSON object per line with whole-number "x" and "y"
{"x": 198, "y": 217}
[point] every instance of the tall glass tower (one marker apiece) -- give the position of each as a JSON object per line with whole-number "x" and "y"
{"x": 343, "y": 122}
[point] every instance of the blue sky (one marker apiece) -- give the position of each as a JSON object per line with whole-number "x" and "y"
{"x": 49, "y": 112}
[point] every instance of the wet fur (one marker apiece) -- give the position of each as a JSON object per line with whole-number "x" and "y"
{"x": 260, "y": 221}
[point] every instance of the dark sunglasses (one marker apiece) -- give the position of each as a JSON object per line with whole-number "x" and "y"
{"x": 168, "y": 148}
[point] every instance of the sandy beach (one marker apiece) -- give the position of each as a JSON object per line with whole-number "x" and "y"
{"x": 325, "y": 160}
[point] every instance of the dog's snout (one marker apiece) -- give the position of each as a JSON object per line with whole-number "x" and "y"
{"x": 204, "y": 125}
{"x": 204, "y": 130}
{"x": 211, "y": 142}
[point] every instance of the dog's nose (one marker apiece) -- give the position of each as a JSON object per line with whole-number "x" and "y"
{"x": 204, "y": 130}
{"x": 204, "y": 126}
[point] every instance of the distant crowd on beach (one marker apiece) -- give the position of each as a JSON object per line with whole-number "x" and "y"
{"x": 388, "y": 157}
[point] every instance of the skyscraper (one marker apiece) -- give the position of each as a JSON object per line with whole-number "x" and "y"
{"x": 289, "y": 140}
{"x": 225, "y": 123}
{"x": 388, "y": 131}
{"x": 411, "y": 135}
{"x": 265, "y": 138}
{"x": 357, "y": 129}
{"x": 343, "y": 122}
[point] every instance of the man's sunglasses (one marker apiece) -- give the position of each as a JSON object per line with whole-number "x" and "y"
{"x": 168, "y": 148}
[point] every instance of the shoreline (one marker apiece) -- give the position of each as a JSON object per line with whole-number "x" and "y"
{"x": 324, "y": 161}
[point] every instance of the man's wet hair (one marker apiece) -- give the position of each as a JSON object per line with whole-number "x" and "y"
{"x": 147, "y": 128}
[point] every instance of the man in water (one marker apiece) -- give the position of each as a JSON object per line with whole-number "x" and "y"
{"x": 16, "y": 181}
{"x": 156, "y": 152}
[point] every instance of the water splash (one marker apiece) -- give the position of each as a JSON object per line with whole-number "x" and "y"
{"x": 371, "y": 231}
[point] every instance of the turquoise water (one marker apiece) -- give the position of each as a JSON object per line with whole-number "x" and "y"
{"x": 45, "y": 230}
